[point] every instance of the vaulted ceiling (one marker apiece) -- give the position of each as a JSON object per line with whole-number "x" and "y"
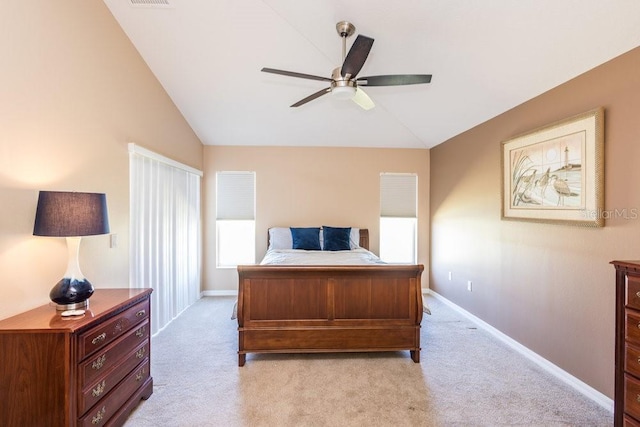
{"x": 486, "y": 57}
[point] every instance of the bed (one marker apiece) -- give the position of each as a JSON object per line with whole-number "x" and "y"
{"x": 329, "y": 308}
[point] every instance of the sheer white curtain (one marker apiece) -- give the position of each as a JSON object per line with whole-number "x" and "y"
{"x": 165, "y": 251}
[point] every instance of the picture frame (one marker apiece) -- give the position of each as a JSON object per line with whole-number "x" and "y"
{"x": 555, "y": 173}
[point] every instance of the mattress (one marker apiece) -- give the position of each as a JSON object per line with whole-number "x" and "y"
{"x": 359, "y": 256}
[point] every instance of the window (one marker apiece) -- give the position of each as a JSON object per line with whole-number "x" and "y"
{"x": 235, "y": 218}
{"x": 398, "y": 217}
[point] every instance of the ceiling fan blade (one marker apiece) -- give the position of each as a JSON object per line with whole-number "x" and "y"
{"x": 395, "y": 80}
{"x": 294, "y": 74}
{"x": 363, "y": 100}
{"x": 311, "y": 97}
{"x": 357, "y": 55}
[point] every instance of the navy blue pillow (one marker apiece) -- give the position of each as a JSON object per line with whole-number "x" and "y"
{"x": 336, "y": 238}
{"x": 306, "y": 238}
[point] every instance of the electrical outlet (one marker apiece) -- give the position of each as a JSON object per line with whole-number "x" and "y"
{"x": 113, "y": 241}
{"x": 469, "y": 286}
{"x": 449, "y": 276}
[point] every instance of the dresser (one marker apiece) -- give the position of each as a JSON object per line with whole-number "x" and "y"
{"x": 88, "y": 370}
{"x": 627, "y": 356}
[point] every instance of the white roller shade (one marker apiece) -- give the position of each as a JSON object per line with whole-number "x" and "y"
{"x": 235, "y": 195}
{"x": 398, "y": 195}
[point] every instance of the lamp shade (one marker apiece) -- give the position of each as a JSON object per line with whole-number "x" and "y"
{"x": 69, "y": 214}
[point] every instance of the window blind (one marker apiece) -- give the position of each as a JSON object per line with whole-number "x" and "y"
{"x": 165, "y": 243}
{"x": 398, "y": 195}
{"x": 235, "y": 195}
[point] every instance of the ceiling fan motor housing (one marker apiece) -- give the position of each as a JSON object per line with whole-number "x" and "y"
{"x": 342, "y": 88}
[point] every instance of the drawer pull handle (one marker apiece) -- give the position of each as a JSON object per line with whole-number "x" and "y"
{"x": 99, "y": 362}
{"x": 638, "y": 294}
{"x": 99, "y": 389}
{"x": 140, "y": 332}
{"x": 119, "y": 326}
{"x": 99, "y": 415}
{"x": 139, "y": 375}
{"x": 638, "y": 398}
{"x": 141, "y": 313}
{"x": 99, "y": 338}
{"x": 140, "y": 353}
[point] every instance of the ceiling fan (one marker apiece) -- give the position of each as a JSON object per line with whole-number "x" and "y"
{"x": 344, "y": 81}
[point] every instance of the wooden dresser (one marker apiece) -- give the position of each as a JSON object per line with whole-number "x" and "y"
{"x": 627, "y": 372}
{"x": 78, "y": 371}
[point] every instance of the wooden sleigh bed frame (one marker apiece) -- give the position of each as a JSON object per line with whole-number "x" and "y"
{"x": 313, "y": 309}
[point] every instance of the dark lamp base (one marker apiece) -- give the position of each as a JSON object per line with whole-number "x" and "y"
{"x": 70, "y": 294}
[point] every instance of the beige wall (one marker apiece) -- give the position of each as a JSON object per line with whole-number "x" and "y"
{"x": 73, "y": 92}
{"x": 311, "y": 187}
{"x": 550, "y": 287}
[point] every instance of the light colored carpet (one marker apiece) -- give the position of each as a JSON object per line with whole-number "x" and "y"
{"x": 465, "y": 378}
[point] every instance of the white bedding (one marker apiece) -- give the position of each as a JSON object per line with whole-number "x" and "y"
{"x": 358, "y": 256}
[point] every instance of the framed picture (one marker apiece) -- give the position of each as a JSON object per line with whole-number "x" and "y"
{"x": 556, "y": 173}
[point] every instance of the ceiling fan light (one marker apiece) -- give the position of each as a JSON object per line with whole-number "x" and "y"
{"x": 343, "y": 92}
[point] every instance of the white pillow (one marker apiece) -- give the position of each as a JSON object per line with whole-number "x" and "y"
{"x": 354, "y": 238}
{"x": 280, "y": 238}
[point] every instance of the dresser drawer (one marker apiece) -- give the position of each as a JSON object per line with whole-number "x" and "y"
{"x": 633, "y": 292}
{"x": 99, "y": 415}
{"x": 631, "y": 396}
{"x": 112, "y": 355}
{"x": 632, "y": 327}
{"x": 632, "y": 360}
{"x": 103, "y": 385}
{"x": 630, "y": 422}
{"x": 110, "y": 330}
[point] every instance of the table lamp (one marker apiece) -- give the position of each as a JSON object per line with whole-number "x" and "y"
{"x": 71, "y": 215}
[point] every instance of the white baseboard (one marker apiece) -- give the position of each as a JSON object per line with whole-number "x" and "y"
{"x": 554, "y": 370}
{"x": 225, "y": 293}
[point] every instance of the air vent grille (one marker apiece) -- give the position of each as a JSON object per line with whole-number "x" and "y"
{"x": 151, "y": 3}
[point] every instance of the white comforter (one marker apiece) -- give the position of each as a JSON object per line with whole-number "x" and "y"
{"x": 358, "y": 256}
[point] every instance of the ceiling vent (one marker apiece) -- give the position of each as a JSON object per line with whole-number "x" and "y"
{"x": 151, "y": 3}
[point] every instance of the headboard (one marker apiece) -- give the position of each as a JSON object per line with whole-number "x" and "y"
{"x": 364, "y": 238}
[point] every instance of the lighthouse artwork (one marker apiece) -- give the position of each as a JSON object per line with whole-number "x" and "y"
{"x": 555, "y": 173}
{"x": 549, "y": 174}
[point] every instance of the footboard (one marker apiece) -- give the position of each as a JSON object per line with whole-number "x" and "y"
{"x": 307, "y": 309}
